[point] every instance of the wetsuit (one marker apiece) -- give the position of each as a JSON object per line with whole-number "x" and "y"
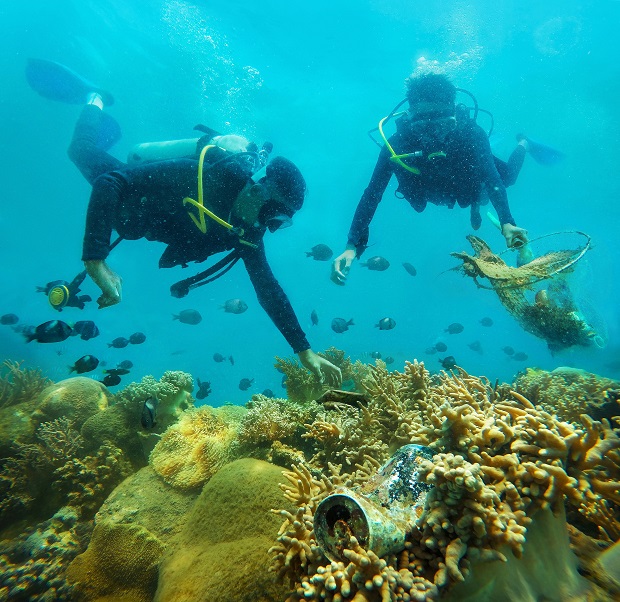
{"x": 147, "y": 202}
{"x": 461, "y": 169}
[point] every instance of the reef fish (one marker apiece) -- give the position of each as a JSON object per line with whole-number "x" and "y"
{"x": 149, "y": 413}
{"x": 386, "y": 324}
{"x": 119, "y": 343}
{"x": 430, "y": 351}
{"x": 455, "y": 328}
{"x": 188, "y": 316}
{"x": 111, "y": 380}
{"x": 86, "y": 363}
{"x": 486, "y": 322}
{"x": 476, "y": 346}
{"x": 117, "y": 371}
{"x": 520, "y": 356}
{"x": 137, "y": 338}
{"x": 234, "y": 306}
{"x": 314, "y": 317}
{"x": 410, "y": 269}
{"x": 9, "y": 319}
{"x": 508, "y": 350}
{"x": 52, "y": 331}
{"x": 448, "y": 362}
{"x": 125, "y": 365}
{"x": 268, "y": 393}
{"x": 389, "y": 360}
{"x": 245, "y": 383}
{"x": 218, "y": 357}
{"x": 441, "y": 347}
{"x": 375, "y": 355}
{"x": 204, "y": 389}
{"x": 377, "y": 264}
{"x": 340, "y": 325}
{"x": 320, "y": 252}
{"x": 87, "y": 329}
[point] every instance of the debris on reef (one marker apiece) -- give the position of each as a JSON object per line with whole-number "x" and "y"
{"x": 302, "y": 385}
{"x": 501, "y": 469}
{"x": 498, "y": 461}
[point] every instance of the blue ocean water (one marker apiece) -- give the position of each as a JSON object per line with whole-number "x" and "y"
{"x": 312, "y": 79}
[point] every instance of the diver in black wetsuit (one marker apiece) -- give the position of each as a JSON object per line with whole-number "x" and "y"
{"x": 436, "y": 159}
{"x": 153, "y": 200}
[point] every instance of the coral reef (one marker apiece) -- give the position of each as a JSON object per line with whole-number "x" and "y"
{"x": 221, "y": 553}
{"x": 271, "y": 425}
{"x": 499, "y": 461}
{"x": 19, "y": 384}
{"x": 302, "y": 386}
{"x": 54, "y": 471}
{"x": 76, "y": 399}
{"x": 568, "y": 392}
{"x": 138, "y": 514}
{"x": 173, "y": 391}
{"x": 121, "y": 422}
{"x": 191, "y": 451}
{"x": 32, "y": 566}
{"x": 120, "y": 564}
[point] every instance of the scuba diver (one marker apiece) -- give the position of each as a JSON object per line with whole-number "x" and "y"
{"x": 225, "y": 199}
{"x": 61, "y": 293}
{"x": 439, "y": 155}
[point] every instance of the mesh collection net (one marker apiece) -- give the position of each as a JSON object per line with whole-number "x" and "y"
{"x": 553, "y": 315}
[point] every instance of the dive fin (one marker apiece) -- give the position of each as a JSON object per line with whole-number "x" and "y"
{"x": 542, "y": 153}
{"x": 57, "y": 82}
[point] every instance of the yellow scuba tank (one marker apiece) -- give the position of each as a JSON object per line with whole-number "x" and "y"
{"x": 162, "y": 151}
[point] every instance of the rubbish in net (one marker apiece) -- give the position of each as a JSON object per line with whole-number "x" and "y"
{"x": 553, "y": 315}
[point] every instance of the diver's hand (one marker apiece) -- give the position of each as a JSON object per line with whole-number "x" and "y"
{"x": 342, "y": 265}
{"x": 324, "y": 370}
{"x": 515, "y": 237}
{"x": 108, "y": 281}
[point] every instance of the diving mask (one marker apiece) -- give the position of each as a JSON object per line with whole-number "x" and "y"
{"x": 275, "y": 216}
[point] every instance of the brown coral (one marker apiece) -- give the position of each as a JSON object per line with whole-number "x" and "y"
{"x": 499, "y": 460}
{"x": 19, "y": 384}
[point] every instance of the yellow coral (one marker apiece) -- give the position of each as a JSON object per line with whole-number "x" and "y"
{"x": 76, "y": 398}
{"x": 120, "y": 564}
{"x": 191, "y": 451}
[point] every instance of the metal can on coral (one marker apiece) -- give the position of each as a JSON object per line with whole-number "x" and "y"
{"x": 378, "y": 514}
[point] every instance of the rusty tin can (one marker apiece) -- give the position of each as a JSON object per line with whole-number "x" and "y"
{"x": 380, "y": 513}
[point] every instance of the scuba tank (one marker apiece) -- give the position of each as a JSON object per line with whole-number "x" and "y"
{"x": 162, "y": 151}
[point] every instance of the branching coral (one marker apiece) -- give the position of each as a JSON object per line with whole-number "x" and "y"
{"x": 499, "y": 459}
{"x": 567, "y": 392}
{"x": 270, "y": 420}
{"x": 173, "y": 391}
{"x": 56, "y": 470}
{"x": 303, "y": 386}
{"x": 18, "y": 385}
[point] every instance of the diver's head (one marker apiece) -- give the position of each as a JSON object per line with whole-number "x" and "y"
{"x": 430, "y": 96}
{"x": 273, "y": 196}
